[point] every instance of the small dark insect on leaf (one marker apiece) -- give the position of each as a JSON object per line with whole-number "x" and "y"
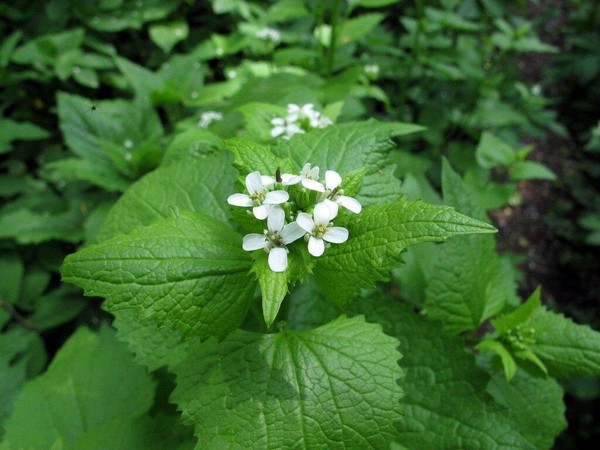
{"x": 278, "y": 175}
{"x": 93, "y": 107}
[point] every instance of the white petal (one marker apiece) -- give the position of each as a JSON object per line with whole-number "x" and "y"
{"x": 322, "y": 214}
{"x": 279, "y": 121}
{"x": 305, "y": 222}
{"x": 313, "y": 185}
{"x": 261, "y": 212}
{"x": 316, "y": 246}
{"x": 276, "y": 219}
{"x": 254, "y": 241}
{"x": 291, "y": 232}
{"x": 278, "y": 259}
{"x": 351, "y": 204}
{"x": 267, "y": 180}
{"x": 305, "y": 170}
{"x": 254, "y": 183}
{"x": 314, "y": 173}
{"x": 332, "y": 179}
{"x": 277, "y": 131}
{"x": 333, "y": 206}
{"x": 337, "y": 235}
{"x": 276, "y": 197}
{"x": 288, "y": 179}
{"x": 239, "y": 200}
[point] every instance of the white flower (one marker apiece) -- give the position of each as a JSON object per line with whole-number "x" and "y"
{"x": 284, "y": 127}
{"x": 297, "y": 112}
{"x": 334, "y": 196}
{"x": 269, "y": 34}
{"x": 308, "y": 177}
{"x": 274, "y": 239}
{"x": 320, "y": 230}
{"x": 209, "y": 117}
{"x": 259, "y": 197}
{"x": 371, "y": 69}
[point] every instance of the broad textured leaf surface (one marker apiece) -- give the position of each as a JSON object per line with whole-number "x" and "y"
{"x": 198, "y": 182}
{"x": 91, "y": 383}
{"x": 378, "y": 235}
{"x": 187, "y": 272}
{"x": 534, "y": 403}
{"x": 152, "y": 346}
{"x": 469, "y": 282}
{"x": 565, "y": 347}
{"x": 332, "y": 387}
{"x": 250, "y": 156}
{"x": 446, "y": 405}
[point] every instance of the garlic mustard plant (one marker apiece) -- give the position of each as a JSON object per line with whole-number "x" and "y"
{"x": 295, "y": 206}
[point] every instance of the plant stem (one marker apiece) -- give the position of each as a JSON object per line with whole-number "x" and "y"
{"x": 335, "y": 13}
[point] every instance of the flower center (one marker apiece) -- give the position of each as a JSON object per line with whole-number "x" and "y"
{"x": 319, "y": 230}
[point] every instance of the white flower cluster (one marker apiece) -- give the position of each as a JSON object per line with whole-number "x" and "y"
{"x": 208, "y": 117}
{"x": 299, "y": 120}
{"x": 308, "y": 212}
{"x": 269, "y": 34}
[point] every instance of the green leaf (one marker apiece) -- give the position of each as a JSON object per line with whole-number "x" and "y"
{"x": 22, "y": 356}
{"x": 60, "y": 220}
{"x": 446, "y": 405}
{"x": 91, "y": 382}
{"x": 531, "y": 170}
{"x": 508, "y": 362}
{"x": 336, "y": 384}
{"x": 250, "y": 156}
{"x": 519, "y": 315}
{"x": 564, "y": 347}
{"x": 18, "y": 131}
{"x": 258, "y": 118}
{"x": 378, "y": 235}
{"x": 118, "y": 15}
{"x": 492, "y": 152}
{"x": 153, "y": 347}
{"x": 197, "y": 182}
{"x": 358, "y": 27}
{"x": 187, "y": 271}
{"x": 119, "y": 140}
{"x": 167, "y": 35}
{"x": 273, "y": 286}
{"x": 11, "y": 268}
{"x": 534, "y": 403}
{"x": 469, "y": 282}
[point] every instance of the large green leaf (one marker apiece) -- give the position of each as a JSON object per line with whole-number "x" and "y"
{"x": 187, "y": 271}
{"x": 446, "y": 405}
{"x": 377, "y": 237}
{"x": 92, "y": 383}
{"x": 469, "y": 282}
{"x": 534, "y": 403}
{"x": 192, "y": 181}
{"x": 566, "y": 348}
{"x": 334, "y": 386}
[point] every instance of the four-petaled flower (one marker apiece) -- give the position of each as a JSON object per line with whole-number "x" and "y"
{"x": 274, "y": 239}
{"x": 259, "y": 196}
{"x": 284, "y": 127}
{"x": 333, "y": 180}
{"x": 308, "y": 177}
{"x": 320, "y": 229}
